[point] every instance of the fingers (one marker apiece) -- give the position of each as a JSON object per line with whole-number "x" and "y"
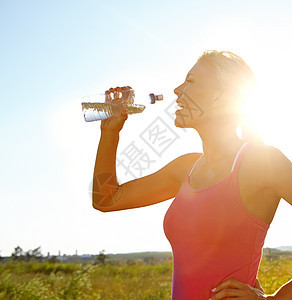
{"x": 232, "y": 288}
{"x": 115, "y": 94}
{"x": 230, "y": 283}
{"x": 227, "y": 293}
{"x": 228, "y": 288}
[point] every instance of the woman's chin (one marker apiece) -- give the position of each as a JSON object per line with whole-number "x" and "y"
{"x": 184, "y": 121}
{"x": 178, "y": 122}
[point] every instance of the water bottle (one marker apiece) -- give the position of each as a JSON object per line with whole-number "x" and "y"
{"x": 115, "y": 100}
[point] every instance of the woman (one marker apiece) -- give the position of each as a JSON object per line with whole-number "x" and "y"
{"x": 225, "y": 197}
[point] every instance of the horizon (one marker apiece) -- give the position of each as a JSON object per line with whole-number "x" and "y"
{"x": 110, "y": 253}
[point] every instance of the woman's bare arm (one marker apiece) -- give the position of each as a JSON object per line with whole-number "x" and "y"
{"x": 109, "y": 195}
{"x": 283, "y": 293}
{"x": 151, "y": 189}
{"x": 280, "y": 177}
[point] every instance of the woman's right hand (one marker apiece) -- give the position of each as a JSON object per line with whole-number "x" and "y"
{"x": 116, "y": 122}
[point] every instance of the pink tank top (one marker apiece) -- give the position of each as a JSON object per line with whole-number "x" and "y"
{"x": 213, "y": 237}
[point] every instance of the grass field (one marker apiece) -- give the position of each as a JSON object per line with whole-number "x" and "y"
{"x": 132, "y": 280}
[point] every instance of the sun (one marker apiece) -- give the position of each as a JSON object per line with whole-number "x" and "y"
{"x": 268, "y": 110}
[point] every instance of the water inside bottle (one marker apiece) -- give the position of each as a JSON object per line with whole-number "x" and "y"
{"x": 99, "y": 110}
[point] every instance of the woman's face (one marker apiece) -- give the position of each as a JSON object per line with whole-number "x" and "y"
{"x": 198, "y": 96}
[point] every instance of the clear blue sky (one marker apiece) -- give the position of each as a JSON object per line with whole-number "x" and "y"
{"x": 55, "y": 52}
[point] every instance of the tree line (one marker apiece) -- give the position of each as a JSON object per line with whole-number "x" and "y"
{"x": 19, "y": 255}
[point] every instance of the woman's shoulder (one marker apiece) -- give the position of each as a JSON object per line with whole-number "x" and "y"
{"x": 183, "y": 164}
{"x": 187, "y": 160}
{"x": 263, "y": 154}
{"x": 261, "y": 162}
{"x": 267, "y": 168}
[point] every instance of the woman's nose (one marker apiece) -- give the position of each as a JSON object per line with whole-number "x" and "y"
{"x": 178, "y": 90}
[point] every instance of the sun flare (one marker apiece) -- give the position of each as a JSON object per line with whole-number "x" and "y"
{"x": 268, "y": 109}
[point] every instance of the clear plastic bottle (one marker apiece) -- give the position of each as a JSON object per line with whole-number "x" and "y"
{"x": 115, "y": 100}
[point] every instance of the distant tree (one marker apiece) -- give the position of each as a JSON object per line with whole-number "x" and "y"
{"x": 34, "y": 254}
{"x": 101, "y": 257}
{"x": 18, "y": 254}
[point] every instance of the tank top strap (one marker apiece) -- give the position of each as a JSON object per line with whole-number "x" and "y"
{"x": 191, "y": 170}
{"x": 239, "y": 157}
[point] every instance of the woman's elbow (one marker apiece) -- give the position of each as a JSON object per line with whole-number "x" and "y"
{"x": 102, "y": 208}
{"x": 96, "y": 204}
{"x": 97, "y": 207}
{"x": 106, "y": 202}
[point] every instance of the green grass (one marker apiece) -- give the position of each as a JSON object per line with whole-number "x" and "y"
{"x": 273, "y": 274}
{"x": 136, "y": 280}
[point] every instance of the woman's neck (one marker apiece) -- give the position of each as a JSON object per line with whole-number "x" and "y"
{"x": 219, "y": 141}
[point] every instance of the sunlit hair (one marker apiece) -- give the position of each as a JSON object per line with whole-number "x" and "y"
{"x": 234, "y": 77}
{"x": 236, "y": 80}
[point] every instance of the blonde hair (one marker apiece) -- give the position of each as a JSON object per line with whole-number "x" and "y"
{"x": 236, "y": 80}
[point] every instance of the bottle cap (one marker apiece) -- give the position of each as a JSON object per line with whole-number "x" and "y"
{"x": 154, "y": 98}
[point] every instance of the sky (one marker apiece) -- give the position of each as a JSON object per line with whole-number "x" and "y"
{"x": 54, "y": 53}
